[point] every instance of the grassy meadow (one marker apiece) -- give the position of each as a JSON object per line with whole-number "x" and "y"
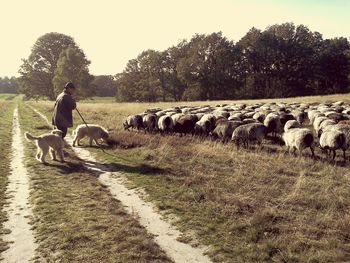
{"x": 247, "y": 205}
{"x": 75, "y": 218}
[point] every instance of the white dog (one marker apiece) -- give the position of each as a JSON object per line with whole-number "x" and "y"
{"x": 93, "y": 131}
{"x": 52, "y": 142}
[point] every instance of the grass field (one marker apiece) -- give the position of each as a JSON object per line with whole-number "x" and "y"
{"x": 75, "y": 217}
{"x": 248, "y": 205}
{"x": 6, "y": 110}
{"x": 7, "y": 96}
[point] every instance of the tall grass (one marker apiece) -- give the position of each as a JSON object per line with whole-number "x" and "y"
{"x": 6, "y": 111}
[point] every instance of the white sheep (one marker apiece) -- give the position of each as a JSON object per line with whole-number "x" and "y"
{"x": 150, "y": 122}
{"x": 333, "y": 140}
{"x": 299, "y": 139}
{"x": 291, "y": 124}
{"x": 324, "y": 125}
{"x": 259, "y": 116}
{"x": 133, "y": 121}
{"x": 318, "y": 121}
{"x": 249, "y": 132}
{"x": 165, "y": 124}
{"x": 273, "y": 123}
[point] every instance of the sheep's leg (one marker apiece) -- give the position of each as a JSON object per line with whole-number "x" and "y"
{"x": 312, "y": 151}
{"x": 90, "y": 141}
{"x": 300, "y": 153}
{"x": 287, "y": 150}
{"x": 344, "y": 155}
{"x": 334, "y": 154}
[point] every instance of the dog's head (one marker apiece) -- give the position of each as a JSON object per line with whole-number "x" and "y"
{"x": 104, "y": 135}
{"x": 57, "y": 132}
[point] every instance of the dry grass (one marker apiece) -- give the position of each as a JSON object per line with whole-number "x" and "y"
{"x": 75, "y": 218}
{"x": 248, "y": 205}
{"x": 6, "y": 111}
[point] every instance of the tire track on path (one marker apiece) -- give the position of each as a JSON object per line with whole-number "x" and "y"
{"x": 21, "y": 238}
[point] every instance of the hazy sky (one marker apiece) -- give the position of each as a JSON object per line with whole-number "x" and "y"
{"x": 112, "y": 32}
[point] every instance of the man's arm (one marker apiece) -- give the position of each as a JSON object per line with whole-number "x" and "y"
{"x": 69, "y": 102}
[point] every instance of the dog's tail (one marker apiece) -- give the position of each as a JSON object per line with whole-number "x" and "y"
{"x": 30, "y": 137}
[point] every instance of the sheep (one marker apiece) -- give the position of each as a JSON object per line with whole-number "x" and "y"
{"x": 225, "y": 129}
{"x": 284, "y": 117}
{"x": 249, "y": 132}
{"x": 313, "y": 114}
{"x": 259, "y": 116}
{"x": 335, "y": 116}
{"x": 176, "y": 117}
{"x": 333, "y": 140}
{"x": 165, "y": 124}
{"x": 249, "y": 120}
{"x": 234, "y": 118}
{"x": 347, "y": 122}
{"x": 152, "y": 111}
{"x": 133, "y": 121}
{"x": 323, "y": 125}
{"x": 223, "y": 113}
{"x": 150, "y": 122}
{"x": 317, "y": 122}
{"x": 203, "y": 127}
{"x": 299, "y": 115}
{"x": 210, "y": 117}
{"x": 299, "y": 139}
{"x": 272, "y": 123}
{"x": 185, "y": 125}
{"x": 291, "y": 124}
{"x": 344, "y": 128}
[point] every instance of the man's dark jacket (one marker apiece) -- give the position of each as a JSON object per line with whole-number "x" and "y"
{"x": 62, "y": 114}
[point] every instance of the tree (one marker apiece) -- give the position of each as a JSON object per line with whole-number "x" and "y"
{"x": 333, "y": 66}
{"x": 209, "y": 65}
{"x": 38, "y": 70}
{"x": 9, "y": 85}
{"x": 72, "y": 65}
{"x": 283, "y": 60}
{"x": 105, "y": 86}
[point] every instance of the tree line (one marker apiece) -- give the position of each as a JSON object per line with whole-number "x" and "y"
{"x": 281, "y": 61}
{"x": 9, "y": 85}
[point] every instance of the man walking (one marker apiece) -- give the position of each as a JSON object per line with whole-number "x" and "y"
{"x": 62, "y": 115}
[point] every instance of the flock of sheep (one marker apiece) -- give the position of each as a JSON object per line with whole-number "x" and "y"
{"x": 299, "y": 125}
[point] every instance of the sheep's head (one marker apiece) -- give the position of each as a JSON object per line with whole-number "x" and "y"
{"x": 104, "y": 135}
{"x": 125, "y": 125}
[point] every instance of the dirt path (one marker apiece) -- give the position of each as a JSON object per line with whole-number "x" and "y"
{"x": 165, "y": 234}
{"x": 22, "y": 243}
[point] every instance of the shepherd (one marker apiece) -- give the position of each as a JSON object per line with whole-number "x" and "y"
{"x": 62, "y": 115}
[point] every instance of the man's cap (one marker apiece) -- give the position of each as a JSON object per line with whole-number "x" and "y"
{"x": 69, "y": 85}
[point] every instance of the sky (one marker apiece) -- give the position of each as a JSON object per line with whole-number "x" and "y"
{"x": 111, "y": 32}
